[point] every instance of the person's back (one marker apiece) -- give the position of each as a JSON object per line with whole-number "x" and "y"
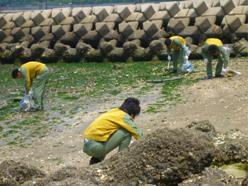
{"x": 35, "y": 75}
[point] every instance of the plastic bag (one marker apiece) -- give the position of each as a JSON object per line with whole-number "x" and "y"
{"x": 187, "y": 67}
{"x": 26, "y": 102}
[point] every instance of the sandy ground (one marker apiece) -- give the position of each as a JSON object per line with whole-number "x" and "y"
{"x": 223, "y": 101}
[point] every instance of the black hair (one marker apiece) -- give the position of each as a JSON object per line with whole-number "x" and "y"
{"x": 167, "y": 42}
{"x": 14, "y": 73}
{"x": 131, "y": 106}
{"x": 213, "y": 49}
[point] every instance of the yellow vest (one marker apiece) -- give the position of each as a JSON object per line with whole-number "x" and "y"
{"x": 32, "y": 69}
{"x": 214, "y": 41}
{"x": 108, "y": 123}
{"x": 177, "y": 42}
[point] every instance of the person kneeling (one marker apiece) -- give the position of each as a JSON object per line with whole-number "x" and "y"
{"x": 112, "y": 129}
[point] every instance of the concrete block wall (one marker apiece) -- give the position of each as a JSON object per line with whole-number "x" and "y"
{"x": 63, "y": 30}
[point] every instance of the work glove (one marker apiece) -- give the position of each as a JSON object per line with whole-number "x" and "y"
{"x": 169, "y": 58}
{"x": 205, "y": 61}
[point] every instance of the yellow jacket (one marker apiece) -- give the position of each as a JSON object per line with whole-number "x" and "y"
{"x": 214, "y": 41}
{"x": 108, "y": 123}
{"x": 177, "y": 42}
{"x": 30, "y": 71}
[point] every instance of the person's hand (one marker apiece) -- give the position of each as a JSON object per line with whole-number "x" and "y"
{"x": 205, "y": 61}
{"x": 169, "y": 58}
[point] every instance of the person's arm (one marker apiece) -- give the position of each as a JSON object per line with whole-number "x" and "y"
{"x": 205, "y": 55}
{"x": 28, "y": 81}
{"x": 129, "y": 125}
{"x": 224, "y": 57}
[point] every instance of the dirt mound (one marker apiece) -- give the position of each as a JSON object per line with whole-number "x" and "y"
{"x": 211, "y": 176}
{"x": 232, "y": 147}
{"x": 203, "y": 126}
{"x": 166, "y": 157}
{"x": 15, "y": 173}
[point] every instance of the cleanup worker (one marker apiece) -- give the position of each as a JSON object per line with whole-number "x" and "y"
{"x": 178, "y": 52}
{"x": 112, "y": 129}
{"x": 213, "y": 48}
{"x": 35, "y": 75}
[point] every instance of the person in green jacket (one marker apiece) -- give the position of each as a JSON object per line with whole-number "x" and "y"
{"x": 111, "y": 130}
{"x": 213, "y": 48}
{"x": 178, "y": 52}
{"x": 35, "y": 75}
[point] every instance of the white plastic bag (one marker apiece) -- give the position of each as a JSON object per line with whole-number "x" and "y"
{"x": 187, "y": 67}
{"x": 26, "y": 102}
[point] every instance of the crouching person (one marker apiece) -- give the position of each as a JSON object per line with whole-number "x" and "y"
{"x": 112, "y": 129}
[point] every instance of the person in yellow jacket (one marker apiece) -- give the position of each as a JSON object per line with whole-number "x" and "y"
{"x": 178, "y": 52}
{"x": 213, "y": 48}
{"x": 112, "y": 129}
{"x": 35, "y": 75}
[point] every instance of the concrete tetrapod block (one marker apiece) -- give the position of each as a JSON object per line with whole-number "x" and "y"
{"x": 46, "y": 13}
{"x": 82, "y": 48}
{"x": 185, "y": 4}
{"x": 5, "y": 18}
{"x": 57, "y": 15}
{"x": 82, "y": 29}
{"x": 127, "y": 29}
{"x": 160, "y": 15}
{"x": 103, "y": 28}
{"x": 8, "y": 39}
{"x": 242, "y": 31}
{"x": 37, "y": 17}
{"x": 214, "y": 11}
{"x": 91, "y": 37}
{"x": 190, "y": 31}
{"x": 2, "y": 35}
{"x": 182, "y": 13}
{"x": 171, "y": 7}
{"x": 149, "y": 10}
{"x": 90, "y": 19}
{"x": 227, "y": 5}
{"x": 239, "y": 10}
{"x": 214, "y": 31}
{"x": 130, "y": 46}
{"x": 243, "y": 2}
{"x": 107, "y": 46}
{"x": 18, "y": 32}
{"x": 70, "y": 38}
{"x": 159, "y": 35}
{"x": 18, "y": 19}
{"x": 124, "y": 10}
{"x": 113, "y": 34}
{"x": 137, "y": 34}
{"x": 2, "y": 20}
{"x": 177, "y": 25}
{"x": 213, "y": 3}
{"x": 68, "y": 21}
{"x": 152, "y": 27}
{"x": 136, "y": 16}
{"x": 200, "y": 7}
{"x": 204, "y": 23}
{"x": 102, "y": 12}
{"x": 81, "y": 13}
{"x": 234, "y": 21}
{"x": 8, "y": 25}
{"x": 60, "y": 30}
{"x": 38, "y": 32}
{"x": 28, "y": 24}
{"x": 113, "y": 18}
{"x": 47, "y": 22}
